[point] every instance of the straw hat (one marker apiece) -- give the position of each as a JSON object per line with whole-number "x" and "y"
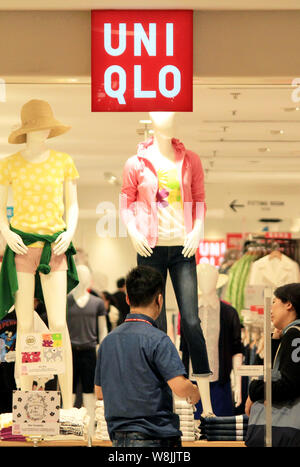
{"x": 37, "y": 115}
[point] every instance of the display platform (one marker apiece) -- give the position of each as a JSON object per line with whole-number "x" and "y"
{"x": 187, "y": 444}
{"x": 56, "y": 443}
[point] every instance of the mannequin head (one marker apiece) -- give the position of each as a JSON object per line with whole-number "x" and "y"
{"x": 37, "y": 137}
{"x": 163, "y": 121}
{"x": 85, "y": 278}
{"x": 207, "y": 276}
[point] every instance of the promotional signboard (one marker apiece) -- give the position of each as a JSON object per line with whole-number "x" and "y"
{"x": 36, "y": 412}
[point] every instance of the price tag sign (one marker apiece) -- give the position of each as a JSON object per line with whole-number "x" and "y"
{"x": 42, "y": 354}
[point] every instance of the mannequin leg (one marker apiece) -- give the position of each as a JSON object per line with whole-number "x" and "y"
{"x": 184, "y": 279}
{"x": 24, "y": 306}
{"x": 89, "y": 402}
{"x": 55, "y": 295}
{"x": 158, "y": 260}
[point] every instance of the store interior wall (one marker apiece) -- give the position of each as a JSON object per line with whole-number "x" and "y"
{"x": 226, "y": 43}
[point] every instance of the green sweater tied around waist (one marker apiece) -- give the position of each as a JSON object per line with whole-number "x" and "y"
{"x": 8, "y": 274}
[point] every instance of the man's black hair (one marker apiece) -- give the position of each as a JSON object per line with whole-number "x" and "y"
{"x": 121, "y": 283}
{"x": 290, "y": 293}
{"x": 143, "y": 284}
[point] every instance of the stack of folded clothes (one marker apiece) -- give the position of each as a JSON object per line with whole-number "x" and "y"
{"x": 101, "y": 430}
{"x": 73, "y": 425}
{"x": 185, "y": 411}
{"x": 224, "y": 428}
{"x": 73, "y": 422}
{"x": 6, "y": 429}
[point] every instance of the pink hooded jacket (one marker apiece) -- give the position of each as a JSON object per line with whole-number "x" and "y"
{"x": 140, "y": 186}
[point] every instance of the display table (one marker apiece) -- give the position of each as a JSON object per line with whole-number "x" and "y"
{"x": 56, "y": 443}
{"x": 188, "y": 444}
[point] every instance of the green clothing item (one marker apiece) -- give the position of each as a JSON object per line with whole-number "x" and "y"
{"x": 8, "y": 274}
{"x": 238, "y": 277}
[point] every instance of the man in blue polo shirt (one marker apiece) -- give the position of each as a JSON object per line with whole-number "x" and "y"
{"x": 137, "y": 369}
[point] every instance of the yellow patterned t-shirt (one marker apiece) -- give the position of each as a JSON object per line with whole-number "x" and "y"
{"x": 171, "y": 229}
{"x": 38, "y": 191}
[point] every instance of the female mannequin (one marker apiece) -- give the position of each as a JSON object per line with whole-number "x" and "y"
{"x": 162, "y": 206}
{"x": 27, "y": 169}
{"x": 221, "y": 328}
{"x": 83, "y": 327}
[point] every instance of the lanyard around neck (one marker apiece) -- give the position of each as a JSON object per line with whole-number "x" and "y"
{"x": 138, "y": 319}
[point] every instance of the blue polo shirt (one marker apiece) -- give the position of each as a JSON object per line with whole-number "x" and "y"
{"x": 134, "y": 363}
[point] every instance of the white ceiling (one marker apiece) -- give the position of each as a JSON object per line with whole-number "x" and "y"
{"x": 146, "y": 4}
{"x": 233, "y": 136}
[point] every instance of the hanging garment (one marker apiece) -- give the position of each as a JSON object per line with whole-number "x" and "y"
{"x": 238, "y": 279}
{"x": 274, "y": 272}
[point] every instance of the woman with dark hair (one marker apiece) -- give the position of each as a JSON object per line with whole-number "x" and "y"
{"x": 285, "y": 317}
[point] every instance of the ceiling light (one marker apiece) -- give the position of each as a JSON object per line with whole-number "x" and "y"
{"x": 291, "y": 109}
{"x": 277, "y": 132}
{"x": 110, "y": 178}
{"x": 146, "y": 122}
{"x": 264, "y": 149}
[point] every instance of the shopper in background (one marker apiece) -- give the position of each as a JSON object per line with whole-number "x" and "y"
{"x": 120, "y": 299}
{"x": 285, "y": 317}
{"x": 111, "y": 310}
{"x": 142, "y": 361}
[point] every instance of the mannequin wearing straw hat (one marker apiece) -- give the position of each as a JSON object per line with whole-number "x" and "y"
{"x": 38, "y": 257}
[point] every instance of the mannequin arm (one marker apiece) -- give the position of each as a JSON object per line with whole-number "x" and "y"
{"x": 237, "y": 361}
{"x": 193, "y": 239}
{"x": 13, "y": 240}
{"x": 102, "y": 328}
{"x": 72, "y": 211}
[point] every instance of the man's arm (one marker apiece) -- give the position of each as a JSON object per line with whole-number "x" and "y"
{"x": 184, "y": 388}
{"x": 98, "y": 392}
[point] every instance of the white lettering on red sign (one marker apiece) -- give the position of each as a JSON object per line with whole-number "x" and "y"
{"x": 140, "y": 36}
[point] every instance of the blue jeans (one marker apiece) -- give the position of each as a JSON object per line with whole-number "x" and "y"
{"x": 130, "y": 439}
{"x": 184, "y": 279}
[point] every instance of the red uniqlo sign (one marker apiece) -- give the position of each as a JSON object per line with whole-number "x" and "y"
{"x": 142, "y": 60}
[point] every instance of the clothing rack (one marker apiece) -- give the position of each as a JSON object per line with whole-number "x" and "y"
{"x": 263, "y": 245}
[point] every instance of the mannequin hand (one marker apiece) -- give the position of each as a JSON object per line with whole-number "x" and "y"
{"x": 15, "y": 242}
{"x": 237, "y": 396}
{"x": 191, "y": 242}
{"x": 140, "y": 243}
{"x": 62, "y": 243}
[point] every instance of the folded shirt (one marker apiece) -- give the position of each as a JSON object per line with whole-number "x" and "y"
{"x": 224, "y": 432}
{"x": 224, "y": 426}
{"x": 243, "y": 419}
{"x": 224, "y": 438}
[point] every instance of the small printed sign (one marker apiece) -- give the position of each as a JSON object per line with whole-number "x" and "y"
{"x": 42, "y": 354}
{"x": 36, "y": 413}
